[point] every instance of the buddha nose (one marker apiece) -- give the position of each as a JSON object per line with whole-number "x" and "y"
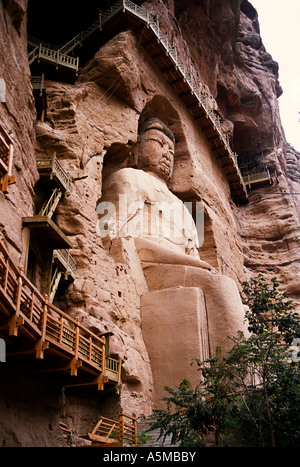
{"x": 167, "y": 152}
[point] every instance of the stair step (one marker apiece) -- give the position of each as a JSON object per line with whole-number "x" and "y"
{"x": 144, "y": 424}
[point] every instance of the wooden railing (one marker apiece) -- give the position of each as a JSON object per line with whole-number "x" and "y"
{"x": 75, "y": 41}
{"x": 113, "y": 369}
{"x": 122, "y": 431}
{"x": 26, "y": 309}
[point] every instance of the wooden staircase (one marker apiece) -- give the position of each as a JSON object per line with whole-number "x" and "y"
{"x": 52, "y": 174}
{"x": 63, "y": 268}
{"x": 51, "y": 204}
{"x": 109, "y": 432}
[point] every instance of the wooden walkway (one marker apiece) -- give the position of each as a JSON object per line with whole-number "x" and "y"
{"x": 41, "y": 53}
{"x": 33, "y": 328}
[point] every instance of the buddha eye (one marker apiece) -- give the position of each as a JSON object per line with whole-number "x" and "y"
{"x": 157, "y": 140}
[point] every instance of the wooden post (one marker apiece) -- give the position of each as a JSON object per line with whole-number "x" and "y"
{"x": 40, "y": 52}
{"x": 13, "y": 326}
{"x": 57, "y": 58}
{"x": 4, "y": 183}
{"x": 74, "y": 363}
{"x": 119, "y": 373}
{"x": 61, "y": 324}
{"x": 103, "y": 358}
{"x": 77, "y": 339}
{"x": 121, "y": 426}
{"x": 31, "y": 306}
{"x": 134, "y": 429}
{"x": 41, "y": 344}
{"x": 100, "y": 382}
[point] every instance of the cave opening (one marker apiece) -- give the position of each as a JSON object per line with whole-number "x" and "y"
{"x": 60, "y": 21}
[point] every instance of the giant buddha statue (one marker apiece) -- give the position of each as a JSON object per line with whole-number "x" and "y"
{"x": 145, "y": 207}
{"x": 187, "y": 307}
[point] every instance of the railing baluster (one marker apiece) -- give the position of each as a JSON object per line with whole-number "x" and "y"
{"x": 121, "y": 427}
{"x": 31, "y": 306}
{"x": 41, "y": 344}
{"x": 61, "y": 324}
{"x": 74, "y": 363}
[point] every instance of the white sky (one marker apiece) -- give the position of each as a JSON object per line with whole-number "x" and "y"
{"x": 280, "y": 32}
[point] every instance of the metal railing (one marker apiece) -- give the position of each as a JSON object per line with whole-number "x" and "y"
{"x": 205, "y": 99}
{"x": 256, "y": 177}
{"x": 53, "y": 56}
{"x": 196, "y": 86}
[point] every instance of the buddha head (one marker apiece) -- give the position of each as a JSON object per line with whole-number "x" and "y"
{"x": 154, "y": 151}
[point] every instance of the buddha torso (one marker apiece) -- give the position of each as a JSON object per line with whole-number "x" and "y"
{"x": 145, "y": 207}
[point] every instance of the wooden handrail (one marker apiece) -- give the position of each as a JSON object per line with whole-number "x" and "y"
{"x": 106, "y": 429}
{"x": 52, "y": 325}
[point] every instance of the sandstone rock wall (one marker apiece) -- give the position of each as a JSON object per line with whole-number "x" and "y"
{"x": 17, "y": 116}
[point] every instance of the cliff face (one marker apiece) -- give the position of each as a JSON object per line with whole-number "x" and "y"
{"x": 17, "y": 116}
{"x": 92, "y": 125}
{"x": 225, "y": 42}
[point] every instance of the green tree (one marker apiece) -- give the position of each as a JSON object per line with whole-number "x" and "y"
{"x": 250, "y": 394}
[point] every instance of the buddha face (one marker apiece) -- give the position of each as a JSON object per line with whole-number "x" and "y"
{"x": 156, "y": 153}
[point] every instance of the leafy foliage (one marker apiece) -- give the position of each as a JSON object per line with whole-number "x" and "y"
{"x": 251, "y": 396}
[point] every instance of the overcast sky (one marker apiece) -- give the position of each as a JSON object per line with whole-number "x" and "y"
{"x": 280, "y": 32}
